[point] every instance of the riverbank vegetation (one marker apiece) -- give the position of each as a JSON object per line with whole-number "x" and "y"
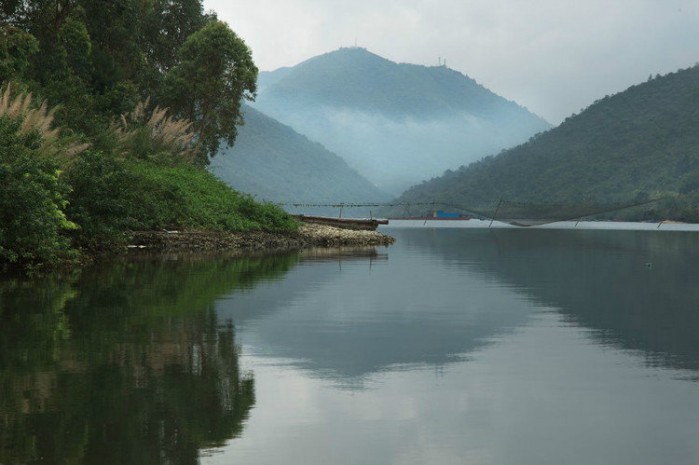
{"x": 109, "y": 113}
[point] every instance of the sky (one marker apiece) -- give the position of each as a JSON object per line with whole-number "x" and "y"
{"x": 554, "y": 57}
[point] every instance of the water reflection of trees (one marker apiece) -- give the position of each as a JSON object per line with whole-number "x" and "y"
{"x": 124, "y": 363}
{"x": 635, "y": 289}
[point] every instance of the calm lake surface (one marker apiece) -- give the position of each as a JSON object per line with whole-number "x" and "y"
{"x": 453, "y": 346}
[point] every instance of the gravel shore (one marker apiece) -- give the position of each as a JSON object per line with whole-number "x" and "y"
{"x": 308, "y": 235}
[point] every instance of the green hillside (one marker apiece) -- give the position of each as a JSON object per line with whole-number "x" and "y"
{"x": 273, "y": 162}
{"x": 640, "y": 144}
{"x": 395, "y": 123}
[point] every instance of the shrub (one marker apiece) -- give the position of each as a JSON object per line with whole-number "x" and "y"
{"x": 101, "y": 200}
{"x": 188, "y": 197}
{"x": 32, "y": 190}
{"x": 112, "y": 196}
{"x": 32, "y": 201}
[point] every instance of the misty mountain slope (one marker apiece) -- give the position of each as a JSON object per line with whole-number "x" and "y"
{"x": 273, "y": 162}
{"x": 268, "y": 78}
{"x": 396, "y": 124}
{"x": 640, "y": 143}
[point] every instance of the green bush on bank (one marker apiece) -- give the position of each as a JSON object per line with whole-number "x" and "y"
{"x": 32, "y": 201}
{"x": 186, "y": 196}
{"x": 101, "y": 200}
{"x": 113, "y": 195}
{"x": 58, "y": 196}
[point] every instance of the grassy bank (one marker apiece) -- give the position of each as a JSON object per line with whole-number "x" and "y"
{"x": 112, "y": 197}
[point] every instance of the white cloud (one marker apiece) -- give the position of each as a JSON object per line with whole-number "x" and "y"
{"x": 553, "y": 56}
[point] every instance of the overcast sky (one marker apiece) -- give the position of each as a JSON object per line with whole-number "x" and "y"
{"x": 553, "y": 56}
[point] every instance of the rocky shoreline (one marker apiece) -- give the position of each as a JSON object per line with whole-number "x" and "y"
{"x": 308, "y": 235}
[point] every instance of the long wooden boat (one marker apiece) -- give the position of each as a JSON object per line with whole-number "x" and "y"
{"x": 367, "y": 224}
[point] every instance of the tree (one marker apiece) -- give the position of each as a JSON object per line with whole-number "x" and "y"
{"x": 166, "y": 28}
{"x": 97, "y": 58}
{"x": 16, "y": 47}
{"x": 214, "y": 74}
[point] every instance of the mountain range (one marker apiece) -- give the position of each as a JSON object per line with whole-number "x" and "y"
{"x": 395, "y": 124}
{"x": 638, "y": 145}
{"x": 350, "y": 126}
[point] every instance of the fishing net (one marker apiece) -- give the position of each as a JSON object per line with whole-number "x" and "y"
{"x": 515, "y": 213}
{"x": 535, "y": 214}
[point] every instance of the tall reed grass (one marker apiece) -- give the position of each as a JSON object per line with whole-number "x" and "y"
{"x": 38, "y": 121}
{"x": 147, "y": 133}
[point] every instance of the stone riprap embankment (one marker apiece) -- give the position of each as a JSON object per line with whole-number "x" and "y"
{"x": 308, "y": 235}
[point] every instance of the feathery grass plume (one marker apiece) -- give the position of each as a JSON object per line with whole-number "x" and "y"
{"x": 40, "y": 121}
{"x": 153, "y": 134}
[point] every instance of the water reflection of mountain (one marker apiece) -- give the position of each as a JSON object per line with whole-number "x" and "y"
{"x": 124, "y": 363}
{"x": 636, "y": 289}
{"x": 346, "y": 319}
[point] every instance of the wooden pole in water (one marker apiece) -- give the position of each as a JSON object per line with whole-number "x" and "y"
{"x": 496, "y": 213}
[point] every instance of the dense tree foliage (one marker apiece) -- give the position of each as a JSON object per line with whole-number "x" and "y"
{"x": 98, "y": 58}
{"x": 135, "y": 94}
{"x": 215, "y": 71}
{"x": 640, "y": 144}
{"x": 16, "y": 47}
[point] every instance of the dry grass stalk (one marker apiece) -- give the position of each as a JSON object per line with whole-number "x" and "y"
{"x": 38, "y": 120}
{"x": 168, "y": 133}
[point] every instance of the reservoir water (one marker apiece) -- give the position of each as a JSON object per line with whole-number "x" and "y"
{"x": 453, "y": 346}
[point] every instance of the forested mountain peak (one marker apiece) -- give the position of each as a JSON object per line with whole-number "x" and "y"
{"x": 356, "y": 78}
{"x": 639, "y": 144}
{"x": 395, "y": 123}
